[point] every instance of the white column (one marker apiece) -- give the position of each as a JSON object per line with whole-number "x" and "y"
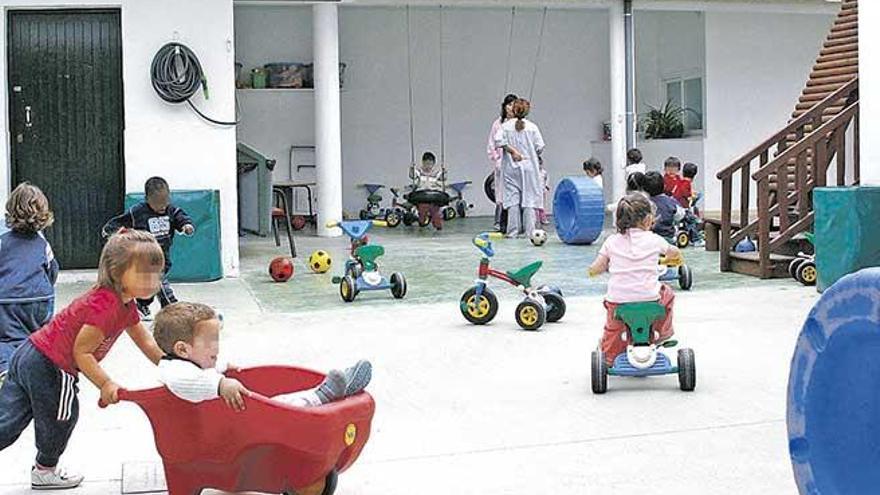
{"x": 869, "y": 93}
{"x": 328, "y": 134}
{"x": 617, "y": 43}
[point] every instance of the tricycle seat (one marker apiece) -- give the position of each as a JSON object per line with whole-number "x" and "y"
{"x": 369, "y": 254}
{"x": 638, "y": 317}
{"x": 524, "y": 275}
{"x": 622, "y": 367}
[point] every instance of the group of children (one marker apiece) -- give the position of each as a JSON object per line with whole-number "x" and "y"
{"x": 41, "y": 355}
{"x": 672, "y": 193}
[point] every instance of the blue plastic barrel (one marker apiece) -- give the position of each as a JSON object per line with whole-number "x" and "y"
{"x": 834, "y": 391}
{"x": 578, "y": 210}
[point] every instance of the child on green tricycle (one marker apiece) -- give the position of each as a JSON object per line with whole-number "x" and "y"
{"x": 630, "y": 256}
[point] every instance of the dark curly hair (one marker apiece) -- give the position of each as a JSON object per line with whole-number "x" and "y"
{"x": 27, "y": 210}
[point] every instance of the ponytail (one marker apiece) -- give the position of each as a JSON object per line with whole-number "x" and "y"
{"x": 521, "y": 108}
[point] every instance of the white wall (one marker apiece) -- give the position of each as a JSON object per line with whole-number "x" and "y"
{"x": 756, "y": 66}
{"x": 668, "y": 45}
{"x": 570, "y": 98}
{"x": 161, "y": 139}
{"x": 869, "y": 93}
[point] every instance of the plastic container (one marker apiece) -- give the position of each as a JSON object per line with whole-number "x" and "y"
{"x": 258, "y": 78}
{"x": 288, "y": 74}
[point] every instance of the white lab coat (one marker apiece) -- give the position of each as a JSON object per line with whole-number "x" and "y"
{"x": 522, "y": 180}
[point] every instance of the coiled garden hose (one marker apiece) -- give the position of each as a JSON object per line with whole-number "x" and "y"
{"x": 177, "y": 75}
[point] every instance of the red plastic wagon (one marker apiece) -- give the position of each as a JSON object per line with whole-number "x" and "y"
{"x": 270, "y": 447}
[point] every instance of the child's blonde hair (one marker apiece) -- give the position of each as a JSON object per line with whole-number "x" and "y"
{"x": 632, "y": 210}
{"x": 124, "y": 249}
{"x": 177, "y": 323}
{"x": 27, "y": 210}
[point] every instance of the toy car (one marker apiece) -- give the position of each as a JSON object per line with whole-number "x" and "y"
{"x": 643, "y": 356}
{"x": 479, "y": 305}
{"x": 361, "y": 270}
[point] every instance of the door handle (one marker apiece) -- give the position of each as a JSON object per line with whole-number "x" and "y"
{"x": 27, "y": 116}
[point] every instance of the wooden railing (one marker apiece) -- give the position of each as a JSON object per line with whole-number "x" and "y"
{"x": 810, "y": 142}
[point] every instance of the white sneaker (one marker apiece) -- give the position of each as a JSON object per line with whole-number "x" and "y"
{"x": 55, "y": 479}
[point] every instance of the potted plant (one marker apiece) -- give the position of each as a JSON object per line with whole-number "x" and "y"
{"x": 666, "y": 122}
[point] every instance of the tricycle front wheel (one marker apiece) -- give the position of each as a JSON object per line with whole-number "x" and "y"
{"x": 478, "y": 310}
{"x": 398, "y": 285}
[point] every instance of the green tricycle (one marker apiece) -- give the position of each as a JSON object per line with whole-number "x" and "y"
{"x": 361, "y": 269}
{"x": 479, "y": 305}
{"x": 643, "y": 356}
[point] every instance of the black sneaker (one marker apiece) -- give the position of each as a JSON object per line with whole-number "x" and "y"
{"x": 2, "y": 378}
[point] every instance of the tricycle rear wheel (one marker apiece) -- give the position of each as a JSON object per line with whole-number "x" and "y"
{"x": 530, "y": 315}
{"x": 555, "y": 307}
{"x": 687, "y": 370}
{"x": 347, "y": 289}
{"x": 398, "y": 285}
{"x": 599, "y": 372}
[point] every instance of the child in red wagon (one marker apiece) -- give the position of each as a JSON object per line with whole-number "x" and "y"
{"x": 631, "y": 257}
{"x": 189, "y": 334}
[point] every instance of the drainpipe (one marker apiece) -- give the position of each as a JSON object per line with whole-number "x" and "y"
{"x": 630, "y": 49}
{"x": 618, "y": 97}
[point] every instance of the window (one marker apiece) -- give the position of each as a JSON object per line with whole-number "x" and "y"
{"x": 687, "y": 93}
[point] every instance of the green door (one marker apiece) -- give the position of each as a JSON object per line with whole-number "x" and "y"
{"x": 66, "y": 121}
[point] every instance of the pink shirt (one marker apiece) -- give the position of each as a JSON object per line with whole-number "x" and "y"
{"x": 632, "y": 263}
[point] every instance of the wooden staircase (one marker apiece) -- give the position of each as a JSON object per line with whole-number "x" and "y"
{"x": 784, "y": 169}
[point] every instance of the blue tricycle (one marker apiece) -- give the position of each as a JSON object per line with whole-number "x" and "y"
{"x": 361, "y": 269}
{"x": 643, "y": 356}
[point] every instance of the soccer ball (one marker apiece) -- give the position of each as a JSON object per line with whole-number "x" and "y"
{"x": 538, "y": 237}
{"x": 320, "y": 261}
{"x": 281, "y": 269}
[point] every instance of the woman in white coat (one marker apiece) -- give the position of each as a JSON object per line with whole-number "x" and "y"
{"x": 522, "y": 145}
{"x": 495, "y": 155}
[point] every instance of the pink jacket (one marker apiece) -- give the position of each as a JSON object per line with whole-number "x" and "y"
{"x": 494, "y": 153}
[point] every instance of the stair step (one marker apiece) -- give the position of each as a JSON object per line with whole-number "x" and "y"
{"x": 748, "y": 264}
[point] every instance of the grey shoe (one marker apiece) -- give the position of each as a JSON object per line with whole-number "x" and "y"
{"x": 56, "y": 479}
{"x": 332, "y": 388}
{"x": 358, "y": 377}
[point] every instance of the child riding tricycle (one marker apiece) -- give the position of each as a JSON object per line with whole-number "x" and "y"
{"x": 638, "y": 305}
{"x": 479, "y": 305}
{"x": 361, "y": 270}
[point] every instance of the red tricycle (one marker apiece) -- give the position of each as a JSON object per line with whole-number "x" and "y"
{"x": 269, "y": 447}
{"x": 479, "y": 305}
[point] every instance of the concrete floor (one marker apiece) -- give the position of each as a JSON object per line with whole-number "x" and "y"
{"x": 491, "y": 410}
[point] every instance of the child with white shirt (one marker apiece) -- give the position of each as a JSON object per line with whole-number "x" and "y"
{"x": 189, "y": 334}
{"x": 631, "y": 256}
{"x": 634, "y": 163}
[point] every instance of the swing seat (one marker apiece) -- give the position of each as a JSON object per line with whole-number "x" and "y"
{"x": 428, "y": 197}
{"x": 524, "y": 275}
